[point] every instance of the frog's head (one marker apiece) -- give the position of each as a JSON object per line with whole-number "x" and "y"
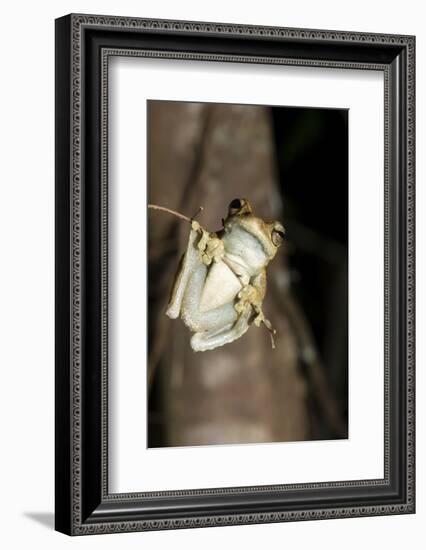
{"x": 256, "y": 241}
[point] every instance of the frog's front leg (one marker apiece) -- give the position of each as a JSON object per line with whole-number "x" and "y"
{"x": 251, "y": 296}
{"x": 211, "y": 248}
{"x": 188, "y": 263}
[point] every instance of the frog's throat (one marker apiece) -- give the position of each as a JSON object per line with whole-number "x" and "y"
{"x": 268, "y": 248}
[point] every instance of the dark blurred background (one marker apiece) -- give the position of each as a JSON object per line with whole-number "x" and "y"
{"x": 312, "y": 157}
{"x": 292, "y": 164}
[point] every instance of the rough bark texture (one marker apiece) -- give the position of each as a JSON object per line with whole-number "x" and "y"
{"x": 208, "y": 154}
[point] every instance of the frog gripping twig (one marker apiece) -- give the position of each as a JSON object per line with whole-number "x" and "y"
{"x": 221, "y": 281}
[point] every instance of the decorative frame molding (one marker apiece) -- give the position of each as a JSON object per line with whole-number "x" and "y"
{"x": 84, "y": 43}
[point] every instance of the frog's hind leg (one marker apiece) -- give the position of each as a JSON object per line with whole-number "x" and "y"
{"x": 186, "y": 267}
{"x": 204, "y": 321}
{"x": 204, "y": 341}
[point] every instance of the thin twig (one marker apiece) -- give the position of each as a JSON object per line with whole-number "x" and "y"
{"x": 200, "y": 209}
{"x": 173, "y": 212}
{"x": 272, "y": 331}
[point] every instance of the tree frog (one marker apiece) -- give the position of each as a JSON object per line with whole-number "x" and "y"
{"x": 221, "y": 280}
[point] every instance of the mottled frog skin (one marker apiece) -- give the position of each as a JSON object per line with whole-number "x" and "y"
{"x": 221, "y": 281}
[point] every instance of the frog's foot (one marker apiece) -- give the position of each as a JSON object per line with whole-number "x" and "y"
{"x": 248, "y": 298}
{"x": 260, "y": 318}
{"x": 210, "y": 247}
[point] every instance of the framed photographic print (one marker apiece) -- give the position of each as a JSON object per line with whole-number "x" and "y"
{"x": 234, "y": 274}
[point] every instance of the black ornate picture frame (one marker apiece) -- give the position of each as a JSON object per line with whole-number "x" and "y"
{"x": 84, "y": 43}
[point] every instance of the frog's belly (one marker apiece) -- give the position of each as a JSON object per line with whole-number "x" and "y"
{"x": 221, "y": 287}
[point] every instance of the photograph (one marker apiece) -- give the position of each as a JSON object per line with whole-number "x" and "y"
{"x": 247, "y": 273}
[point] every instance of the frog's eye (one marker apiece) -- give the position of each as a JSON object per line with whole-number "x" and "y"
{"x": 239, "y": 206}
{"x": 277, "y": 237}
